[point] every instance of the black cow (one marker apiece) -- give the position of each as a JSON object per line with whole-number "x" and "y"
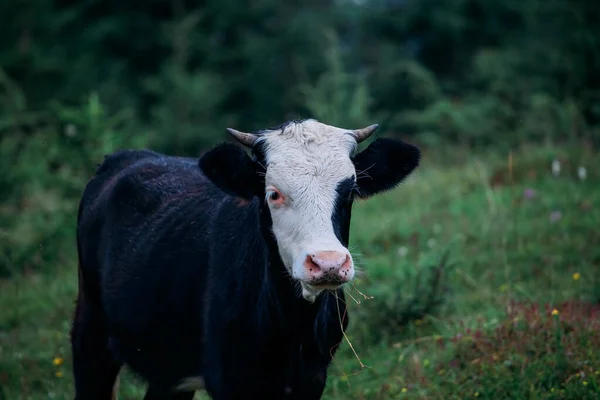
{"x": 224, "y": 273}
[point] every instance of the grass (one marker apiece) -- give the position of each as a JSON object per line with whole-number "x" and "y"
{"x": 514, "y": 314}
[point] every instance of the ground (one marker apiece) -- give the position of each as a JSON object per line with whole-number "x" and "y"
{"x": 512, "y": 313}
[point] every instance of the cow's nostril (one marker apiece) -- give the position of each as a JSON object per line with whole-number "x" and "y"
{"x": 312, "y": 267}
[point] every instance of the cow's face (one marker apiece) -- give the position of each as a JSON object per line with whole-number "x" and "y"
{"x": 308, "y": 174}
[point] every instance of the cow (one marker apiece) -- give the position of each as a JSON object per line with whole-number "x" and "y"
{"x": 226, "y": 272}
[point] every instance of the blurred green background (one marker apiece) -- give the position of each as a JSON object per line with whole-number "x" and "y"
{"x": 483, "y": 268}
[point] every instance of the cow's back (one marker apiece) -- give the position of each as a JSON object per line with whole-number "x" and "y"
{"x": 142, "y": 237}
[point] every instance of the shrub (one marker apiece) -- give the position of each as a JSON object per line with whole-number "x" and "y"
{"x": 45, "y": 161}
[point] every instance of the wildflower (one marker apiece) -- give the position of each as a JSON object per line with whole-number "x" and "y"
{"x": 404, "y": 390}
{"x": 582, "y": 173}
{"x": 476, "y": 394}
{"x": 70, "y": 130}
{"x": 555, "y": 312}
{"x": 402, "y": 251}
{"x": 576, "y": 276}
{"x": 555, "y": 216}
{"x": 529, "y": 193}
{"x": 584, "y": 383}
{"x": 59, "y": 374}
{"x": 555, "y": 167}
{"x": 58, "y": 361}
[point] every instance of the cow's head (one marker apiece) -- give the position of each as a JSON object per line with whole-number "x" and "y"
{"x": 308, "y": 174}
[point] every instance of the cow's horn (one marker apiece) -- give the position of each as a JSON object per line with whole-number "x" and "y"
{"x": 364, "y": 133}
{"x": 247, "y": 139}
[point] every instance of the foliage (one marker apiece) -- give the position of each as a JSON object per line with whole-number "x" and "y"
{"x": 338, "y": 96}
{"x": 45, "y": 160}
{"x": 477, "y": 71}
{"x": 503, "y": 71}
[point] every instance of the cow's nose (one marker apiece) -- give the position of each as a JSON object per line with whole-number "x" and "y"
{"x": 329, "y": 265}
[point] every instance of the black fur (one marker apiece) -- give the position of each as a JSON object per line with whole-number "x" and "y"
{"x": 180, "y": 276}
{"x": 230, "y": 168}
{"x": 343, "y": 210}
{"x": 384, "y": 164}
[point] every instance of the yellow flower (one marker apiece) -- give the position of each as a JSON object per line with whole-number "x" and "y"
{"x": 404, "y": 390}
{"x": 584, "y": 383}
{"x": 476, "y": 394}
{"x": 576, "y": 276}
{"x": 555, "y": 312}
{"x": 59, "y": 374}
{"x": 58, "y": 361}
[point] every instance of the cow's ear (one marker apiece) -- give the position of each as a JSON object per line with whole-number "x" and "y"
{"x": 231, "y": 169}
{"x": 384, "y": 164}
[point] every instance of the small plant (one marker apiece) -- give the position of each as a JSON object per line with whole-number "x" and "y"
{"x": 540, "y": 348}
{"x": 428, "y": 295}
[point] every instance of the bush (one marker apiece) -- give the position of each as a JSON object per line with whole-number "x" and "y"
{"x": 45, "y": 162}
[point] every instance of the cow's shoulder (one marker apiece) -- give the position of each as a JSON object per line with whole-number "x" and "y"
{"x": 139, "y": 182}
{"x": 157, "y": 182}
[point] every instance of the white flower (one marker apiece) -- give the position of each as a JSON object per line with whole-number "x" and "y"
{"x": 402, "y": 251}
{"x": 70, "y": 130}
{"x": 582, "y": 173}
{"x": 555, "y": 167}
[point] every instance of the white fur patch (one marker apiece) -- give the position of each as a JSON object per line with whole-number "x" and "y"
{"x": 305, "y": 162}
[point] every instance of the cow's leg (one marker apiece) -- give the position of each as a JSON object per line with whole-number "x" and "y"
{"x": 94, "y": 368}
{"x": 159, "y": 394}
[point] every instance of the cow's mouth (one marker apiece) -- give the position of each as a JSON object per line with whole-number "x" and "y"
{"x": 326, "y": 285}
{"x": 310, "y": 291}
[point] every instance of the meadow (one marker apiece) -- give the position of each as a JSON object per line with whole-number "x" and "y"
{"x": 480, "y": 278}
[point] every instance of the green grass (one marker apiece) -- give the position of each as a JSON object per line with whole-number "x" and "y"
{"x": 512, "y": 260}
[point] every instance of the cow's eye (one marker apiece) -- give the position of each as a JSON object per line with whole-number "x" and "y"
{"x": 274, "y": 196}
